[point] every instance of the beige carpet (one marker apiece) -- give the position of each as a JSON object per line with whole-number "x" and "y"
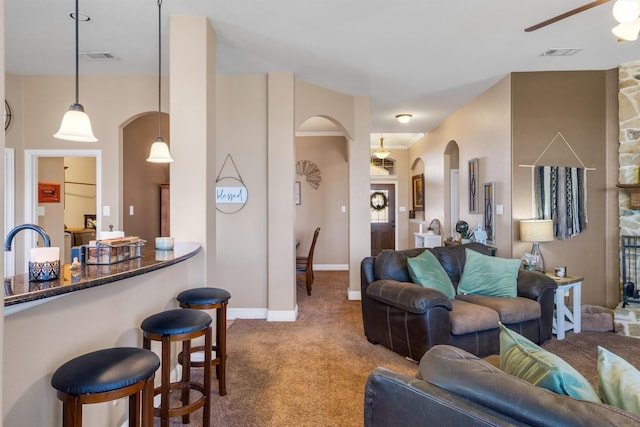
{"x": 312, "y": 372}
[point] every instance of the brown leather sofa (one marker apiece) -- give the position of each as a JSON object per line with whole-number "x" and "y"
{"x": 455, "y": 388}
{"x": 409, "y": 319}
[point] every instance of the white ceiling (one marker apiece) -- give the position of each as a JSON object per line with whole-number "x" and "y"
{"x": 427, "y": 58}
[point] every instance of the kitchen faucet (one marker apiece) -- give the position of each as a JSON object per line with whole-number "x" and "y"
{"x": 15, "y": 230}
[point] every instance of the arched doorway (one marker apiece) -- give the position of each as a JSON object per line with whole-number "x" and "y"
{"x": 322, "y": 189}
{"x": 451, "y": 170}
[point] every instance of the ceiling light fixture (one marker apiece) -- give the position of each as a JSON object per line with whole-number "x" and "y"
{"x": 76, "y": 125}
{"x": 404, "y": 118}
{"x": 381, "y": 153}
{"x": 627, "y": 13}
{"x": 159, "y": 152}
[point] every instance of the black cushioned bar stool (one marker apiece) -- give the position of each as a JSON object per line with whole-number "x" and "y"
{"x": 180, "y": 325}
{"x": 211, "y": 299}
{"x": 106, "y": 375}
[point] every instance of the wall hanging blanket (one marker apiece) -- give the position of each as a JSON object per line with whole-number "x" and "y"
{"x": 560, "y": 195}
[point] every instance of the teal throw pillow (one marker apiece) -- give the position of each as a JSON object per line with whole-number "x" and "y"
{"x": 426, "y": 271}
{"x": 488, "y": 275}
{"x": 523, "y": 359}
{"x": 619, "y": 381}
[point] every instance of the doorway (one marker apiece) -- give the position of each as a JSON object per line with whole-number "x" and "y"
{"x": 382, "y": 204}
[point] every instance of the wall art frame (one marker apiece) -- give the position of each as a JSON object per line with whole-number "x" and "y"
{"x": 474, "y": 186}
{"x": 417, "y": 184}
{"x": 489, "y": 217}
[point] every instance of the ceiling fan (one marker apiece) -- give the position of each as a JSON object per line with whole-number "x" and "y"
{"x": 626, "y": 12}
{"x": 565, "y": 15}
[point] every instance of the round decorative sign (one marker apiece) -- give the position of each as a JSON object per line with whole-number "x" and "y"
{"x": 231, "y": 195}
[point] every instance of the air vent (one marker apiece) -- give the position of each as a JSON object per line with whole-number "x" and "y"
{"x": 561, "y": 52}
{"x": 98, "y": 56}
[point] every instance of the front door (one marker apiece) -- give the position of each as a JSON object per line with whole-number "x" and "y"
{"x": 382, "y": 202}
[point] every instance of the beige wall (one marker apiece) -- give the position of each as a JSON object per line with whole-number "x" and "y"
{"x": 321, "y": 207}
{"x": 79, "y": 199}
{"x": 575, "y": 104}
{"x": 481, "y": 129}
{"x": 52, "y": 170}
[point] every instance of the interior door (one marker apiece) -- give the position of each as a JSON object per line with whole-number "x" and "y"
{"x": 382, "y": 202}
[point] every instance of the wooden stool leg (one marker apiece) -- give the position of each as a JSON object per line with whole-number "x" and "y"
{"x": 72, "y": 411}
{"x": 134, "y": 409}
{"x": 166, "y": 380}
{"x": 221, "y": 343}
{"x": 147, "y": 402}
{"x": 206, "y": 410}
{"x": 186, "y": 376}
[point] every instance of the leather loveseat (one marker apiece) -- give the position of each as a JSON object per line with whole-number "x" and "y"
{"x": 409, "y": 319}
{"x": 455, "y": 388}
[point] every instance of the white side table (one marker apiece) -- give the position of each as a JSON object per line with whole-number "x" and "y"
{"x": 566, "y": 319}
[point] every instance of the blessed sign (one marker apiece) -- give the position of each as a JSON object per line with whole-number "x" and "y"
{"x": 231, "y": 195}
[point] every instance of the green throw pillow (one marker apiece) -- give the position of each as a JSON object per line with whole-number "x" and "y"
{"x": 619, "y": 381}
{"x": 488, "y": 275}
{"x": 426, "y": 271}
{"x": 523, "y": 359}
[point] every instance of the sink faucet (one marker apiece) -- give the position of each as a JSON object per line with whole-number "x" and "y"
{"x": 36, "y": 228}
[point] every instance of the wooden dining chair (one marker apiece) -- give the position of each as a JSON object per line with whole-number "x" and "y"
{"x": 304, "y": 264}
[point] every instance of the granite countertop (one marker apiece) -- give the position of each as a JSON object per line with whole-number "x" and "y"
{"x": 18, "y": 290}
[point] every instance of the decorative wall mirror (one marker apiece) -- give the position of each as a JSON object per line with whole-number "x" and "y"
{"x": 474, "y": 186}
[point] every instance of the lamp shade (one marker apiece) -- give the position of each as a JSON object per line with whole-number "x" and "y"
{"x": 626, "y": 11}
{"x": 159, "y": 152}
{"x": 627, "y": 31}
{"x": 404, "y": 118}
{"x": 76, "y": 126}
{"x": 536, "y": 230}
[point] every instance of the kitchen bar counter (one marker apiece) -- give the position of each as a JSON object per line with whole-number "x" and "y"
{"x": 21, "y": 294}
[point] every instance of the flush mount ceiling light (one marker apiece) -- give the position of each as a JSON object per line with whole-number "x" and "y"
{"x": 627, "y": 13}
{"x": 159, "y": 152}
{"x": 404, "y": 118}
{"x": 76, "y": 125}
{"x": 381, "y": 153}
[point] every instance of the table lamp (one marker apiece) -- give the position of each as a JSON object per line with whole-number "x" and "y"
{"x": 536, "y": 231}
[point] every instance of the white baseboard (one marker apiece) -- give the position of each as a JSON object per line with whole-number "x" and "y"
{"x": 247, "y": 313}
{"x": 282, "y": 315}
{"x": 331, "y": 267}
{"x": 354, "y": 295}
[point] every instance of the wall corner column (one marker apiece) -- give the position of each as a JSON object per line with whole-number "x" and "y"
{"x": 192, "y": 83}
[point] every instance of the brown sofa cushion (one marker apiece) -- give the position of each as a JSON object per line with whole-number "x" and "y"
{"x": 466, "y": 318}
{"x": 510, "y": 310}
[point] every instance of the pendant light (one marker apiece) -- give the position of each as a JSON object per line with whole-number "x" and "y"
{"x": 159, "y": 152}
{"x": 76, "y": 125}
{"x": 381, "y": 153}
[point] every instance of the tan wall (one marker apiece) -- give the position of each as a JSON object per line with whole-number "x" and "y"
{"x": 482, "y": 130}
{"x": 52, "y": 170}
{"x": 573, "y": 103}
{"x": 321, "y": 207}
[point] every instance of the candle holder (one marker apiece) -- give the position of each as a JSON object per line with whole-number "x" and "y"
{"x": 44, "y": 264}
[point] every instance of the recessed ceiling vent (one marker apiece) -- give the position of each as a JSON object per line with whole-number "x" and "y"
{"x": 561, "y": 52}
{"x": 98, "y": 56}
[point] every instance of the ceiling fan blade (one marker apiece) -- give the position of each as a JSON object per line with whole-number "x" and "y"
{"x": 566, "y": 15}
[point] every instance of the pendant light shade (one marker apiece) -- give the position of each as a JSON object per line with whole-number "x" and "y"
{"x": 159, "y": 152}
{"x": 76, "y": 125}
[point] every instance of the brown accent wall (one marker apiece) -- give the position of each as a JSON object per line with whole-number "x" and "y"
{"x": 141, "y": 179}
{"x": 577, "y": 104}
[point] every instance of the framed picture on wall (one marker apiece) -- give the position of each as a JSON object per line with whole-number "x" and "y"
{"x": 48, "y": 192}
{"x": 89, "y": 221}
{"x": 418, "y": 192}
{"x": 474, "y": 186}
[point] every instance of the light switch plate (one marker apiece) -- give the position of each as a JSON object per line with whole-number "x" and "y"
{"x": 106, "y": 210}
{"x": 499, "y": 209}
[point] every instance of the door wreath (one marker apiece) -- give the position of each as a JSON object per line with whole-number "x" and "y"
{"x": 378, "y": 201}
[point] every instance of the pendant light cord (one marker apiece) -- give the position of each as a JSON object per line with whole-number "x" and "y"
{"x": 159, "y": 64}
{"x": 77, "y": 54}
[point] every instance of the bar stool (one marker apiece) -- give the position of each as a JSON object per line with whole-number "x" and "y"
{"x": 106, "y": 375}
{"x": 211, "y": 299}
{"x": 180, "y": 325}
